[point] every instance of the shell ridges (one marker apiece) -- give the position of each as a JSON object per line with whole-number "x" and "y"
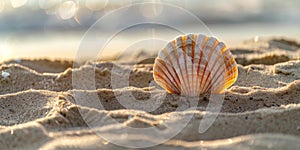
{"x": 194, "y": 64}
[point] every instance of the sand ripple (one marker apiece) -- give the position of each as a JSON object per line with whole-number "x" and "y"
{"x": 41, "y": 108}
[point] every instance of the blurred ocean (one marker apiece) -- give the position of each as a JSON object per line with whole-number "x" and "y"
{"x": 54, "y": 28}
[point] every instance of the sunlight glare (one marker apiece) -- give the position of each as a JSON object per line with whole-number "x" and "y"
{"x": 2, "y": 5}
{"x": 18, "y": 3}
{"x": 4, "y": 53}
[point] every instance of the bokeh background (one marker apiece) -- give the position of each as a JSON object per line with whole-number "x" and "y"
{"x": 54, "y": 28}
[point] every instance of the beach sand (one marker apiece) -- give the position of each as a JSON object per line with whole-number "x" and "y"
{"x": 42, "y": 107}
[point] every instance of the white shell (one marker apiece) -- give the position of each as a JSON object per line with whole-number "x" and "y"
{"x": 195, "y": 64}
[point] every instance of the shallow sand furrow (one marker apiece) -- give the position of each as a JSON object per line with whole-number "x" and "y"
{"x": 33, "y": 104}
{"x": 112, "y": 76}
{"x": 34, "y": 136}
{"x": 263, "y": 126}
{"x": 255, "y": 141}
{"x": 237, "y": 100}
{"x": 44, "y": 65}
{"x": 268, "y": 51}
{"x": 225, "y": 126}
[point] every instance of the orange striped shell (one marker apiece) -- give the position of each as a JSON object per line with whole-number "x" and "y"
{"x": 195, "y": 64}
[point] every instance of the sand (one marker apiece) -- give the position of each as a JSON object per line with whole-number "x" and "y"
{"x": 42, "y": 108}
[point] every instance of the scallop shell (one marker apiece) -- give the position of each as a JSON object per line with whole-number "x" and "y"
{"x": 195, "y": 64}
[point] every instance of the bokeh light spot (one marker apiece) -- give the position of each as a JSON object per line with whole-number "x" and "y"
{"x": 67, "y": 10}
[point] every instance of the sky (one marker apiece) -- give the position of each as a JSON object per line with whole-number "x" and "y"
{"x": 56, "y": 28}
